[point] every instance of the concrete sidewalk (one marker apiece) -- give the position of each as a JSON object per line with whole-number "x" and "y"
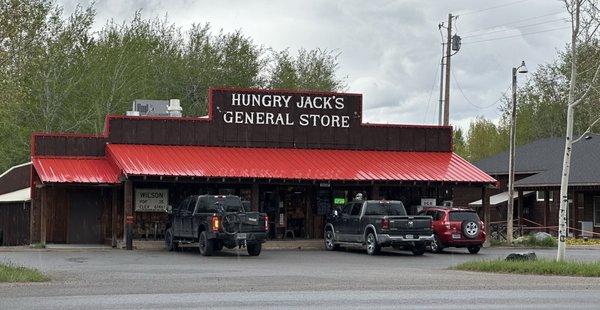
{"x": 296, "y": 244}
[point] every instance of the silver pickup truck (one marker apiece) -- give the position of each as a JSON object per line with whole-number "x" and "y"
{"x": 375, "y": 224}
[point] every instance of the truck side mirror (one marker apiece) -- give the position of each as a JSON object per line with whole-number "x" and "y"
{"x": 169, "y": 209}
{"x": 335, "y": 213}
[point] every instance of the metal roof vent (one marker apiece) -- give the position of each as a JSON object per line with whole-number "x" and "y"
{"x": 174, "y": 108}
{"x": 144, "y": 107}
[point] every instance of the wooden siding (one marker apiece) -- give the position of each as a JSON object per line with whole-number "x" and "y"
{"x": 14, "y": 223}
{"x": 68, "y": 145}
{"x": 16, "y": 179}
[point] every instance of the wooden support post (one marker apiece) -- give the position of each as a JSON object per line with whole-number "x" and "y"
{"x": 309, "y": 220}
{"x": 33, "y": 215}
{"x": 43, "y": 211}
{"x": 546, "y": 208}
{"x": 375, "y": 192}
{"x": 575, "y": 218}
{"x": 113, "y": 217}
{"x": 128, "y": 207}
{"x": 485, "y": 203}
{"x": 520, "y": 208}
{"x": 255, "y": 197}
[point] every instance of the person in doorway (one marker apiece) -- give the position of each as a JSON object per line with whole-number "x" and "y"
{"x": 358, "y": 197}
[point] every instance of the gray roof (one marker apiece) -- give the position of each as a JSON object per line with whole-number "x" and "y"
{"x": 544, "y": 157}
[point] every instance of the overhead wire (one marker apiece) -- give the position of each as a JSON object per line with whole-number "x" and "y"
{"x": 510, "y": 29}
{"x": 435, "y": 79}
{"x": 514, "y": 22}
{"x": 457, "y": 84}
{"x": 492, "y": 8}
{"x": 517, "y": 35}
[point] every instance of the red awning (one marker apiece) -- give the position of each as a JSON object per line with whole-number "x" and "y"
{"x": 76, "y": 170}
{"x": 300, "y": 164}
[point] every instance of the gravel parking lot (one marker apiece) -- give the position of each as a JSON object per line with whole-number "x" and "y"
{"x": 285, "y": 279}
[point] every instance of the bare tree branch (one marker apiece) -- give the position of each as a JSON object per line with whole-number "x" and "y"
{"x": 588, "y": 130}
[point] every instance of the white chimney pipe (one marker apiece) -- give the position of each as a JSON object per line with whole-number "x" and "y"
{"x": 174, "y": 108}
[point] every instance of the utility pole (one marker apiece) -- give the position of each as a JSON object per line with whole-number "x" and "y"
{"x": 511, "y": 154}
{"x": 441, "y": 101}
{"x": 447, "y": 87}
{"x": 511, "y": 161}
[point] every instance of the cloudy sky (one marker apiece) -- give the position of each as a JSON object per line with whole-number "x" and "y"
{"x": 389, "y": 50}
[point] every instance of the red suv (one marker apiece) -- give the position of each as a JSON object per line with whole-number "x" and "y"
{"x": 455, "y": 227}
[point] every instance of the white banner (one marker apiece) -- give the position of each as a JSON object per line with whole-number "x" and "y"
{"x": 151, "y": 200}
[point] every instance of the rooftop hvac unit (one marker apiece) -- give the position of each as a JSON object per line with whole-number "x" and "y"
{"x": 144, "y": 107}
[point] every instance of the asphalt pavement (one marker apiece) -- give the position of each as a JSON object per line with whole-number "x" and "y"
{"x": 119, "y": 279}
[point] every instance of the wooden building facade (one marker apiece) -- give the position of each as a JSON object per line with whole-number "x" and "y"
{"x": 292, "y": 155}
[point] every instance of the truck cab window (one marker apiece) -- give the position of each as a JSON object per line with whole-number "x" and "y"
{"x": 355, "y": 209}
{"x": 347, "y": 209}
{"x": 191, "y": 205}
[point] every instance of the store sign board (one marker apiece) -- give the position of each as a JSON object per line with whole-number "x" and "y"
{"x": 428, "y": 202}
{"x": 339, "y": 201}
{"x": 151, "y": 199}
{"x": 288, "y": 109}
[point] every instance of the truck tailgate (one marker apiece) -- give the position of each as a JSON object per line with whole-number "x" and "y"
{"x": 251, "y": 222}
{"x": 410, "y": 225}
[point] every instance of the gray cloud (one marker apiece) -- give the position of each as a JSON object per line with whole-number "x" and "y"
{"x": 390, "y": 50}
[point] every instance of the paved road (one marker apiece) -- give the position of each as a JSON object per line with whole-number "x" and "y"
{"x": 286, "y": 279}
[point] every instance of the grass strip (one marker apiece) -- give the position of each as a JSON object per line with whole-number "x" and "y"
{"x": 538, "y": 267}
{"x": 10, "y": 273}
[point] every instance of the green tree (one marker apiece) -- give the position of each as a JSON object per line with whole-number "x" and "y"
{"x": 58, "y": 75}
{"x": 312, "y": 70}
{"x": 485, "y": 139}
{"x": 460, "y": 145}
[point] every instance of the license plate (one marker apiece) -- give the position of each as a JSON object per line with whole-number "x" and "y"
{"x": 455, "y": 236}
{"x": 241, "y": 236}
{"x": 409, "y": 237}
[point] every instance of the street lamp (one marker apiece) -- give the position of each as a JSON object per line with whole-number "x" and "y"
{"x": 511, "y": 156}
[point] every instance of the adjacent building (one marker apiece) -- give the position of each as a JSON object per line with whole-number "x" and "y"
{"x": 538, "y": 170}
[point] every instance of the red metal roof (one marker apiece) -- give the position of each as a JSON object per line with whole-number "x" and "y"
{"x": 304, "y": 164}
{"x": 76, "y": 170}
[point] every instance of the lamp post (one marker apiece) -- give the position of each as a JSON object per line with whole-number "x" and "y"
{"x": 511, "y": 154}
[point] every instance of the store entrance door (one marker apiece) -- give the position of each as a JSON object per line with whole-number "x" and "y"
{"x": 296, "y": 212}
{"x": 85, "y": 215}
{"x": 269, "y": 204}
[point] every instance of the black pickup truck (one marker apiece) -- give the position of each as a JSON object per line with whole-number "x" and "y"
{"x": 216, "y": 222}
{"x": 376, "y": 224}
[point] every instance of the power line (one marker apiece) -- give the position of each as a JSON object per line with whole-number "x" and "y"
{"x": 512, "y": 22}
{"x": 435, "y": 78}
{"x": 523, "y": 26}
{"x": 456, "y": 83}
{"x": 492, "y": 8}
{"x": 518, "y": 35}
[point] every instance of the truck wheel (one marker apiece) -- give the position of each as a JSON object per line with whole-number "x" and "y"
{"x": 254, "y": 249}
{"x": 330, "y": 241}
{"x": 170, "y": 244}
{"x": 418, "y": 249}
{"x": 218, "y": 246}
{"x": 436, "y": 245}
{"x": 205, "y": 245}
{"x": 474, "y": 249}
{"x": 373, "y": 248}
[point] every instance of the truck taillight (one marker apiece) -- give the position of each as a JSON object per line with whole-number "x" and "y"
{"x": 215, "y": 222}
{"x": 266, "y": 223}
{"x": 385, "y": 223}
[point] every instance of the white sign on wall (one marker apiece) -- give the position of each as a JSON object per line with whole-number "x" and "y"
{"x": 151, "y": 199}
{"x": 428, "y": 202}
